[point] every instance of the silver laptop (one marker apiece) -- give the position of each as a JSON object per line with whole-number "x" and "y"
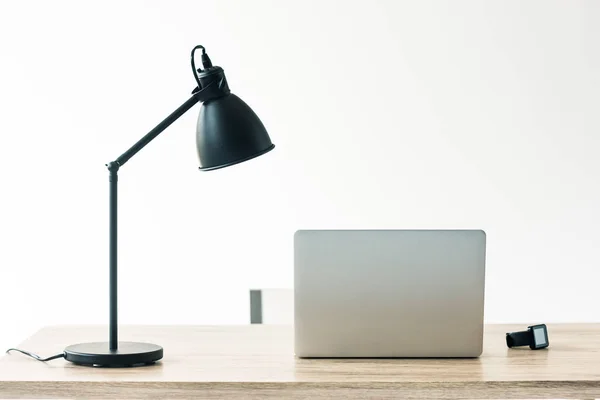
{"x": 389, "y": 293}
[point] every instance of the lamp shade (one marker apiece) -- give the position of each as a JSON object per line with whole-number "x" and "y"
{"x": 229, "y": 132}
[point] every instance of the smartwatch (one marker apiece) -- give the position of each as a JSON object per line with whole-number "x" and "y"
{"x": 536, "y": 337}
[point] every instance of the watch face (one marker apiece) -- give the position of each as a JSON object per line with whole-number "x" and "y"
{"x": 540, "y": 338}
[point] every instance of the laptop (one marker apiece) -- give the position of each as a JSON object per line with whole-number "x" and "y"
{"x": 389, "y": 293}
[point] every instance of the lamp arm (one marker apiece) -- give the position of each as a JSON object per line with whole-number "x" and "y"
{"x": 174, "y": 116}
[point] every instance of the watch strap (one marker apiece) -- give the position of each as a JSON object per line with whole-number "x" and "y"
{"x": 523, "y": 338}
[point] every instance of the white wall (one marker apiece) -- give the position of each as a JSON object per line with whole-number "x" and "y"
{"x": 386, "y": 114}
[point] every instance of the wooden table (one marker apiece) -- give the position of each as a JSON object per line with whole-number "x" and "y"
{"x": 257, "y": 361}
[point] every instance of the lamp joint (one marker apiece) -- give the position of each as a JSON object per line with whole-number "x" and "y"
{"x": 113, "y": 166}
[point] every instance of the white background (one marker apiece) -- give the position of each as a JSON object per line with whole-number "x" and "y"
{"x": 386, "y": 114}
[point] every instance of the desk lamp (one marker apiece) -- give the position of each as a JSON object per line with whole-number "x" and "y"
{"x": 228, "y": 132}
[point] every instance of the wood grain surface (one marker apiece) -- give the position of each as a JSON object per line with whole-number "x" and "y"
{"x": 257, "y": 361}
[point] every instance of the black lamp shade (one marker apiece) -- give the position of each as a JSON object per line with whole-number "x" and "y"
{"x": 229, "y": 132}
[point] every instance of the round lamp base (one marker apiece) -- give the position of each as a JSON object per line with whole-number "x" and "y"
{"x": 129, "y": 354}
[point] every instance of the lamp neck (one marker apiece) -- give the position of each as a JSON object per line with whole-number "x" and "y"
{"x": 158, "y": 129}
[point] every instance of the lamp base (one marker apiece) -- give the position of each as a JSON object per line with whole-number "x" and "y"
{"x": 98, "y": 354}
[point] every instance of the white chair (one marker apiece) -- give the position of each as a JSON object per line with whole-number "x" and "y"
{"x": 272, "y": 306}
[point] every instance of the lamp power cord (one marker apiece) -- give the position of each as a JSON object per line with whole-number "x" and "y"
{"x": 35, "y": 356}
{"x": 206, "y": 63}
